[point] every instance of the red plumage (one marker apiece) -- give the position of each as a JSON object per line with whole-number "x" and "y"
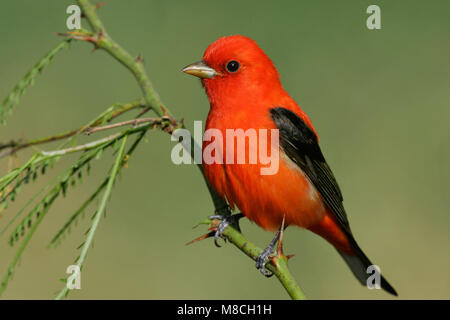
{"x": 243, "y": 99}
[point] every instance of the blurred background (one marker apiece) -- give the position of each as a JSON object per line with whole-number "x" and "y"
{"x": 379, "y": 100}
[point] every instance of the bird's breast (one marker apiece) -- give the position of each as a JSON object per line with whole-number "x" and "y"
{"x": 263, "y": 198}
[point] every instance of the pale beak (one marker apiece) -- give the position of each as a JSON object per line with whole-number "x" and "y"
{"x": 201, "y": 70}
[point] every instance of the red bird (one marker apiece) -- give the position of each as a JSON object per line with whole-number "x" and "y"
{"x": 245, "y": 92}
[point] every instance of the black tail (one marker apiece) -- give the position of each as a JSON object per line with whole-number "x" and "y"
{"x": 359, "y": 264}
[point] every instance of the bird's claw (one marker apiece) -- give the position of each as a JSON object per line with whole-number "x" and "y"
{"x": 262, "y": 260}
{"x": 264, "y": 257}
{"x": 227, "y": 220}
{"x": 220, "y": 228}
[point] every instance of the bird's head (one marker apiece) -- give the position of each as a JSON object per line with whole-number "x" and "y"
{"x": 235, "y": 66}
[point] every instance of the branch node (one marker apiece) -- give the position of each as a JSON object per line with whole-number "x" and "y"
{"x": 140, "y": 58}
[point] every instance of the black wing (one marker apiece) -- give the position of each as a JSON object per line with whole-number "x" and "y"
{"x": 300, "y": 144}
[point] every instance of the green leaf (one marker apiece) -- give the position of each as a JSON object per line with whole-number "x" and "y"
{"x": 28, "y": 80}
{"x": 101, "y": 208}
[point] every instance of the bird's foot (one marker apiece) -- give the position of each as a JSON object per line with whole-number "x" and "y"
{"x": 227, "y": 220}
{"x": 265, "y": 256}
{"x": 262, "y": 259}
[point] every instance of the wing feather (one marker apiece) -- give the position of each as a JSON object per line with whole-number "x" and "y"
{"x": 300, "y": 144}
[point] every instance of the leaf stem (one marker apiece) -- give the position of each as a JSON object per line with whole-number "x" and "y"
{"x": 99, "y": 213}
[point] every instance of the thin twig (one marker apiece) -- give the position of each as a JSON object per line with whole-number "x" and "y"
{"x": 103, "y": 41}
{"x": 133, "y": 123}
{"x": 99, "y": 213}
{"x": 83, "y": 147}
{"x": 17, "y": 145}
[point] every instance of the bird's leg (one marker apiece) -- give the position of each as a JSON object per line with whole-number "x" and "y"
{"x": 280, "y": 240}
{"x": 227, "y": 220}
{"x": 263, "y": 258}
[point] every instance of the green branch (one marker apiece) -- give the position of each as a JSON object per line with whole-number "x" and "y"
{"x": 27, "y": 227}
{"x": 103, "y": 41}
{"x": 57, "y": 238}
{"x": 99, "y": 213}
{"x": 28, "y": 80}
{"x": 278, "y": 264}
{"x": 108, "y": 115}
{"x": 24, "y": 244}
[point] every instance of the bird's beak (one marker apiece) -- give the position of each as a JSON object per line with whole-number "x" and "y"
{"x": 201, "y": 70}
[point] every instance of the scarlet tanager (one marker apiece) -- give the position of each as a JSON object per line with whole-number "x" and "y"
{"x": 245, "y": 92}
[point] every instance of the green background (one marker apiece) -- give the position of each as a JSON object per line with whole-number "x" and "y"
{"x": 379, "y": 100}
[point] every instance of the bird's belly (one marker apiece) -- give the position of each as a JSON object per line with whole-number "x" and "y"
{"x": 266, "y": 199}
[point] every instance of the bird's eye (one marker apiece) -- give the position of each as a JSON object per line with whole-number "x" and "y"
{"x": 233, "y": 66}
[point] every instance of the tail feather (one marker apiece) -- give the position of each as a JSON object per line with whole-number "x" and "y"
{"x": 359, "y": 263}
{"x": 342, "y": 239}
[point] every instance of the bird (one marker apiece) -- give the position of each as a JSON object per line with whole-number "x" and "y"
{"x": 245, "y": 92}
